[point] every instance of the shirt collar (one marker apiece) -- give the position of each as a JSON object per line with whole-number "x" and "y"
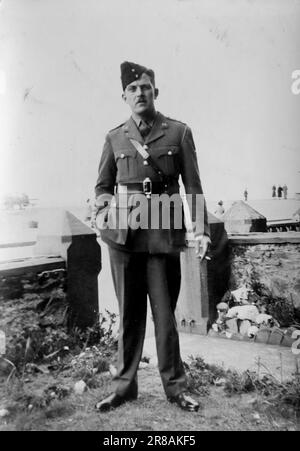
{"x": 138, "y": 120}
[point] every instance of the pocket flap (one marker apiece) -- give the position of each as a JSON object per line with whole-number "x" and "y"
{"x": 125, "y": 153}
{"x": 168, "y": 151}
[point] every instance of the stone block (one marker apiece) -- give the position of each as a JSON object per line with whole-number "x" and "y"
{"x": 252, "y": 332}
{"x": 232, "y": 326}
{"x": 80, "y": 387}
{"x": 288, "y": 340}
{"x": 263, "y": 335}
{"x": 276, "y": 337}
{"x": 244, "y": 327}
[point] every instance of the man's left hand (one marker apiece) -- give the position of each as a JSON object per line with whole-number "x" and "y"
{"x": 202, "y": 246}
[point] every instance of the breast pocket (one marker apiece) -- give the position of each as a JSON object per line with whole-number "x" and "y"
{"x": 168, "y": 159}
{"x": 126, "y": 162}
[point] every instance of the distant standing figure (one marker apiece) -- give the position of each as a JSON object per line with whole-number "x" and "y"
{"x": 88, "y": 212}
{"x": 246, "y": 195}
{"x": 279, "y": 192}
{"x": 273, "y": 191}
{"x": 285, "y": 191}
{"x": 220, "y": 209}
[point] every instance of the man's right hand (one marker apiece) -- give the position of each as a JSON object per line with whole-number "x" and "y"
{"x": 202, "y": 246}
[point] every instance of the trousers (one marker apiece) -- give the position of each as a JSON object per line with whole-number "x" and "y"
{"x": 136, "y": 276}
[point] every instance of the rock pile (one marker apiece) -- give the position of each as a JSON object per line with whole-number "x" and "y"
{"x": 249, "y": 321}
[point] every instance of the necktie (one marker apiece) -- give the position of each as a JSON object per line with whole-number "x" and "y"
{"x": 144, "y": 129}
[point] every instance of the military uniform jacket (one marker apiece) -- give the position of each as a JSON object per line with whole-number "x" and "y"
{"x": 171, "y": 146}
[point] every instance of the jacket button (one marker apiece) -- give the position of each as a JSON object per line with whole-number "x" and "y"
{"x": 170, "y": 152}
{"x": 145, "y": 163}
{"x": 122, "y": 155}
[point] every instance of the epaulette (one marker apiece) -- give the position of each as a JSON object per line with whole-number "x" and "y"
{"x": 175, "y": 120}
{"x": 116, "y": 128}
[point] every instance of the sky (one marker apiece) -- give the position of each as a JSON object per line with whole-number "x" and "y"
{"x": 222, "y": 66}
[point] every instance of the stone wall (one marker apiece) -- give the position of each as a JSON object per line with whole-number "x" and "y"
{"x": 275, "y": 258}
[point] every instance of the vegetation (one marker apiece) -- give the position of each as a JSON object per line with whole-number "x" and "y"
{"x": 36, "y": 326}
{"x": 279, "y": 395}
{"x": 45, "y": 360}
{"x": 229, "y": 400}
{"x": 280, "y": 308}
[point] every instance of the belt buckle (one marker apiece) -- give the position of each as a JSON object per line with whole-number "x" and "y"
{"x": 147, "y": 187}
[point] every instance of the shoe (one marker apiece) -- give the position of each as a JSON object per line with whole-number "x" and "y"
{"x": 185, "y": 402}
{"x": 112, "y": 401}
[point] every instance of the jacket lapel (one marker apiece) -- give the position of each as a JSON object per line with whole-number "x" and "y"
{"x": 157, "y": 130}
{"x": 131, "y": 131}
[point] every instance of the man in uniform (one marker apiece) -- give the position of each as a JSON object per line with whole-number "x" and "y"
{"x": 143, "y": 159}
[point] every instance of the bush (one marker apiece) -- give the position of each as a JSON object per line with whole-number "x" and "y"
{"x": 33, "y": 334}
{"x": 281, "y": 395}
{"x": 200, "y": 375}
{"x": 281, "y": 309}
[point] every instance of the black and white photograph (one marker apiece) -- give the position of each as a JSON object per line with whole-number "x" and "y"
{"x": 149, "y": 218}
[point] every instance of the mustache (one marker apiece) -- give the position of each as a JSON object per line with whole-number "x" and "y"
{"x": 141, "y": 99}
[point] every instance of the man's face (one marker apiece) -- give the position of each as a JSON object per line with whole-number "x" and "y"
{"x": 140, "y": 95}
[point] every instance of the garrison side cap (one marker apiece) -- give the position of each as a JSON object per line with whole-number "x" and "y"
{"x": 131, "y": 72}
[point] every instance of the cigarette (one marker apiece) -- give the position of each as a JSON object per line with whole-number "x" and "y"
{"x": 207, "y": 258}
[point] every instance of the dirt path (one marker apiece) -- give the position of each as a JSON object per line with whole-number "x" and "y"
{"x": 238, "y": 355}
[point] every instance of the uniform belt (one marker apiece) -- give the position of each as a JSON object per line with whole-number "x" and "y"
{"x": 157, "y": 188}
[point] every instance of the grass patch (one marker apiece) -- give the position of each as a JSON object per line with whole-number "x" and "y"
{"x": 281, "y": 397}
